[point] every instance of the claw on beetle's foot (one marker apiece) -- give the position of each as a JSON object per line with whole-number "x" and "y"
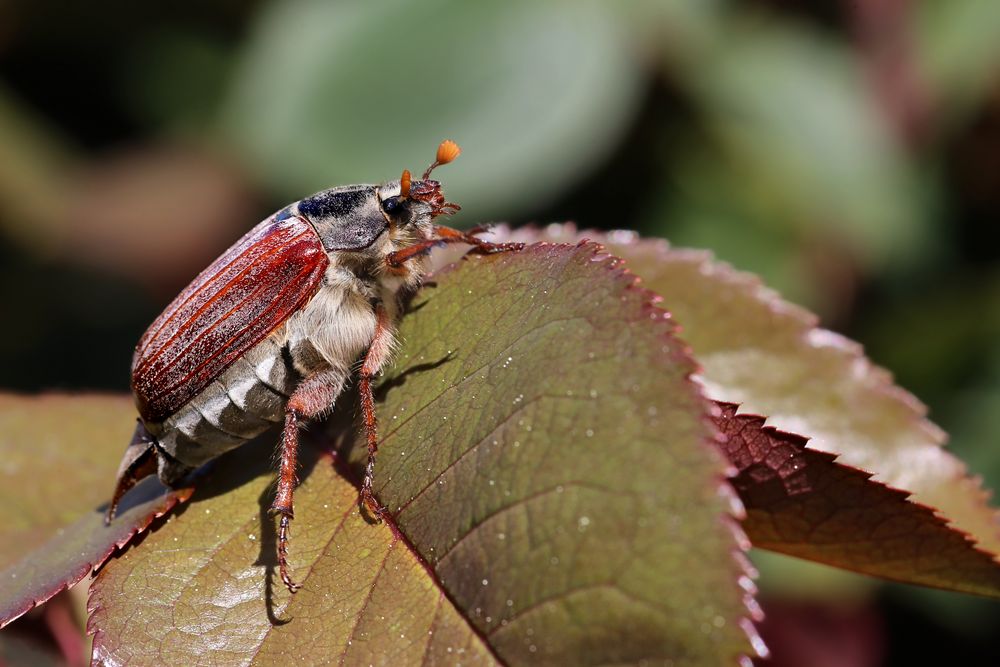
{"x": 372, "y": 507}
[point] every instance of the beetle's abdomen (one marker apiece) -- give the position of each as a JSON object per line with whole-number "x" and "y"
{"x": 243, "y": 402}
{"x": 233, "y": 305}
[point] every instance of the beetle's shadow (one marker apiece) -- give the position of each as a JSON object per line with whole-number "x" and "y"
{"x": 242, "y": 465}
{"x": 383, "y": 389}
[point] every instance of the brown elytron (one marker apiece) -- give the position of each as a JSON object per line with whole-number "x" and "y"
{"x": 231, "y": 306}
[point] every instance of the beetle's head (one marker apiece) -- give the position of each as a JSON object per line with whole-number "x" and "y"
{"x": 353, "y": 217}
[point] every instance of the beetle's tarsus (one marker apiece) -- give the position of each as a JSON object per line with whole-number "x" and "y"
{"x": 283, "y": 554}
{"x": 487, "y": 248}
{"x": 446, "y": 235}
{"x": 479, "y": 246}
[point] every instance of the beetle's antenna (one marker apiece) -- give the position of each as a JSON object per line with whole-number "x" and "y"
{"x": 447, "y": 151}
{"x": 404, "y": 184}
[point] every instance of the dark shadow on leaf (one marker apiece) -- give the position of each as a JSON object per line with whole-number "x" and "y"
{"x": 217, "y": 477}
{"x": 383, "y": 389}
{"x": 411, "y": 296}
{"x": 409, "y": 308}
{"x": 309, "y": 455}
{"x": 145, "y": 491}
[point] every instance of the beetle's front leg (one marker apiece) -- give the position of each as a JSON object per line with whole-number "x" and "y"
{"x": 314, "y": 396}
{"x": 479, "y": 245}
{"x": 447, "y": 235}
{"x": 377, "y": 355}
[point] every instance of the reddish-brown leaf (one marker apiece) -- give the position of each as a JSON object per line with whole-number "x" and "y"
{"x": 801, "y": 502}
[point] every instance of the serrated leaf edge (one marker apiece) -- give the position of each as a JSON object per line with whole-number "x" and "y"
{"x": 800, "y": 442}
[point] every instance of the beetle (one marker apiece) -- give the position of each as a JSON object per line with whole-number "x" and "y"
{"x": 270, "y": 331}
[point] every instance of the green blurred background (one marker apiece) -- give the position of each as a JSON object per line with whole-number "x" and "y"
{"x": 846, "y": 150}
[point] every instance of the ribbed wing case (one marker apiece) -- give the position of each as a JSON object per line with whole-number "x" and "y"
{"x": 244, "y": 295}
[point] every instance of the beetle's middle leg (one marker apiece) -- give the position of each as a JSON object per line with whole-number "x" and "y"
{"x": 311, "y": 398}
{"x": 377, "y": 355}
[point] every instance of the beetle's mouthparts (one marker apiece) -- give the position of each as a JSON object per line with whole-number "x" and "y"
{"x": 429, "y": 191}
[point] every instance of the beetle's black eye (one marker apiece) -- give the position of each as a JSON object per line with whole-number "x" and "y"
{"x": 391, "y": 204}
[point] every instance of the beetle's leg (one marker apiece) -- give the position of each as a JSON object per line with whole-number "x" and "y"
{"x": 311, "y": 398}
{"x": 377, "y": 355}
{"x": 479, "y": 245}
{"x": 447, "y": 235}
{"x": 139, "y": 462}
{"x": 398, "y": 258}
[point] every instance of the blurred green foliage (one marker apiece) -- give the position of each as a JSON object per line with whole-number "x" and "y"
{"x": 847, "y": 151}
{"x": 535, "y": 92}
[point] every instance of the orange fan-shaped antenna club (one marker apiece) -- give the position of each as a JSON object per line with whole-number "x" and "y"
{"x": 447, "y": 151}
